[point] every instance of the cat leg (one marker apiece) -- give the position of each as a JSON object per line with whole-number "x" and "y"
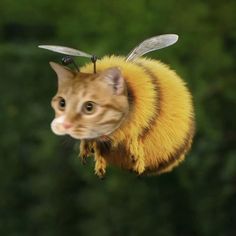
{"x": 137, "y": 156}
{"x": 100, "y": 162}
{"x": 84, "y": 151}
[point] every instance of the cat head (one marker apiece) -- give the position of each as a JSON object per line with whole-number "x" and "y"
{"x": 88, "y": 106}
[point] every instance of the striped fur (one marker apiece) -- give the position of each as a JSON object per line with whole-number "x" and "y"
{"x": 160, "y": 126}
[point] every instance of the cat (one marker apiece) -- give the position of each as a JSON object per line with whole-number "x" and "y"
{"x": 136, "y": 115}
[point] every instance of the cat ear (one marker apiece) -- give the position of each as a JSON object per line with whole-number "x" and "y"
{"x": 114, "y": 78}
{"x": 62, "y": 71}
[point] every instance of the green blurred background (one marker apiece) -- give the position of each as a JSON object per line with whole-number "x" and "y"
{"x": 44, "y": 189}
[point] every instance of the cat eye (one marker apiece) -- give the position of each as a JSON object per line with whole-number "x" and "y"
{"x": 88, "y": 107}
{"x": 62, "y": 103}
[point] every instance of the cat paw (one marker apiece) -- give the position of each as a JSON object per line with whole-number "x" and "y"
{"x": 139, "y": 167}
{"x": 100, "y": 169}
{"x": 83, "y": 155}
{"x": 100, "y": 173}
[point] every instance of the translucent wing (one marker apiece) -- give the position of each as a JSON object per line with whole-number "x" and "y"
{"x": 65, "y": 50}
{"x": 152, "y": 44}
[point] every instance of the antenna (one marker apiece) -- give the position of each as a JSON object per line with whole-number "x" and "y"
{"x": 94, "y": 59}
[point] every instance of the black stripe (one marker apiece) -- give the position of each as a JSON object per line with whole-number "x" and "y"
{"x": 182, "y": 150}
{"x": 158, "y": 100}
{"x": 130, "y": 94}
{"x": 104, "y": 147}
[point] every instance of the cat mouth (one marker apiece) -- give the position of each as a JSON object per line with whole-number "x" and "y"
{"x": 90, "y": 135}
{"x": 79, "y": 134}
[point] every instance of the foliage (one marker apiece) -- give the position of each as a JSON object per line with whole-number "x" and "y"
{"x": 44, "y": 189}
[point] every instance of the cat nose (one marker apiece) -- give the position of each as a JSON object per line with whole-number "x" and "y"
{"x": 67, "y": 125}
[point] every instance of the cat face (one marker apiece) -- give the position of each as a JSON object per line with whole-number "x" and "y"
{"x": 88, "y": 106}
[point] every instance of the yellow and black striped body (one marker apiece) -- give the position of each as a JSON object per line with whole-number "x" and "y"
{"x": 159, "y": 128}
